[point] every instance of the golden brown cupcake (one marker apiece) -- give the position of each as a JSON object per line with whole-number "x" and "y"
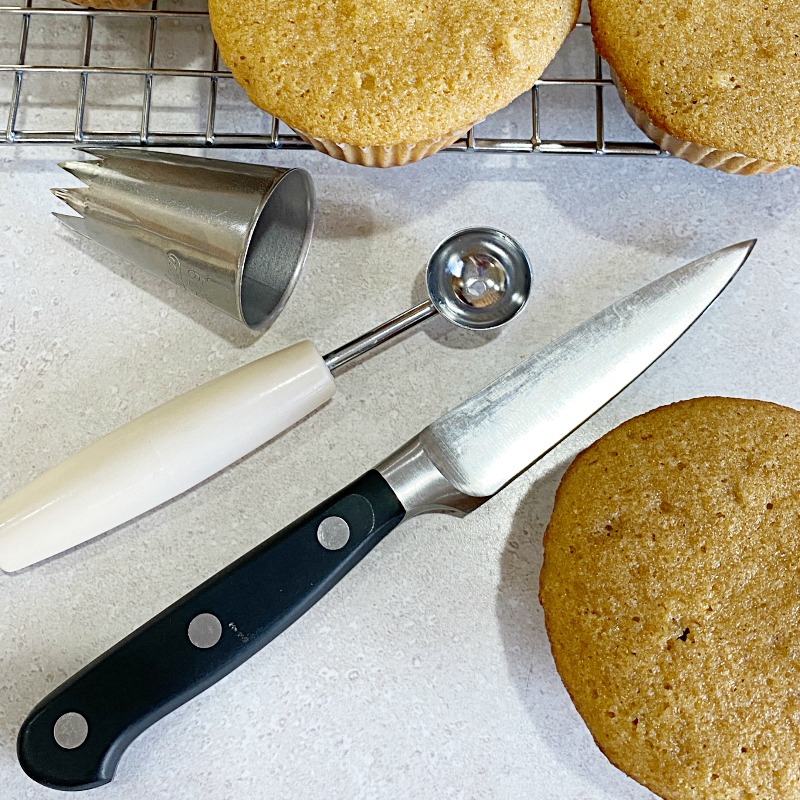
{"x": 671, "y": 592}
{"x": 381, "y": 82}
{"x": 717, "y": 84}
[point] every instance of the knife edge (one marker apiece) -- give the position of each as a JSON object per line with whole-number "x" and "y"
{"x": 496, "y": 434}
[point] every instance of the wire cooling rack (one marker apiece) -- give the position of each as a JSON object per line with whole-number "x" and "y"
{"x": 153, "y": 77}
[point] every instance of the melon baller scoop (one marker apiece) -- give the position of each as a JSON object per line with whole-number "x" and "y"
{"x": 478, "y": 278}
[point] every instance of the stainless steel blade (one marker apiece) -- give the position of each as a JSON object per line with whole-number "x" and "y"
{"x": 490, "y": 438}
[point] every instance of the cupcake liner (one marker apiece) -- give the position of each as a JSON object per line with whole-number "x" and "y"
{"x": 115, "y": 5}
{"x": 710, "y": 157}
{"x": 384, "y": 155}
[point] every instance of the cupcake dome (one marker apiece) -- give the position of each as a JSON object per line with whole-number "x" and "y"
{"x": 383, "y": 73}
{"x": 723, "y": 76}
{"x": 670, "y": 594}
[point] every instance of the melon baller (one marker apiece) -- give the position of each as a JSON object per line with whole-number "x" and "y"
{"x": 478, "y": 278}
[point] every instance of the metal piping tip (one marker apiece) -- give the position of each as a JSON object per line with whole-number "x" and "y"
{"x": 74, "y": 198}
{"x": 104, "y": 152}
{"x": 117, "y": 156}
{"x": 83, "y": 170}
{"x": 97, "y": 152}
{"x": 76, "y": 224}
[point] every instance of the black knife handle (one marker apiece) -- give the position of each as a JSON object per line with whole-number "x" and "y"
{"x": 157, "y": 668}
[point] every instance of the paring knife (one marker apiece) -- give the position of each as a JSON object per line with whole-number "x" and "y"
{"x": 74, "y": 738}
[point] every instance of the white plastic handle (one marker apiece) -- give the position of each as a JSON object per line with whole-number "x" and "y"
{"x": 161, "y": 454}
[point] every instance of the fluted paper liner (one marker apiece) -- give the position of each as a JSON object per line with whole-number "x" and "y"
{"x": 115, "y": 5}
{"x": 711, "y": 157}
{"x": 385, "y": 155}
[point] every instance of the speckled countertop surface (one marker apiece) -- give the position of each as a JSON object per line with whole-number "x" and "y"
{"x": 426, "y": 672}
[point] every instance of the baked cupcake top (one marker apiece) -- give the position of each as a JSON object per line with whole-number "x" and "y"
{"x": 671, "y": 596}
{"x": 721, "y": 74}
{"x": 382, "y": 72}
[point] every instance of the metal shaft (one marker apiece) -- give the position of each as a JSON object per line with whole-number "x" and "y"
{"x": 371, "y": 339}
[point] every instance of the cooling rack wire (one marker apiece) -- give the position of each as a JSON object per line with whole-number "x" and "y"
{"x": 153, "y": 77}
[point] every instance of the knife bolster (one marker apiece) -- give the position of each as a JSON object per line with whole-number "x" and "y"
{"x": 420, "y": 486}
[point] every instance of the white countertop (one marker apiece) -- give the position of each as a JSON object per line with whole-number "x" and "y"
{"x": 426, "y": 673}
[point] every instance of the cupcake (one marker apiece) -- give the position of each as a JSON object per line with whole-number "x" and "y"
{"x": 717, "y": 84}
{"x": 382, "y": 83}
{"x": 670, "y": 592}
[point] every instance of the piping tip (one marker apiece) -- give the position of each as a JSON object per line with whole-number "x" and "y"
{"x": 76, "y": 224}
{"x": 83, "y": 170}
{"x": 74, "y": 198}
{"x": 97, "y": 152}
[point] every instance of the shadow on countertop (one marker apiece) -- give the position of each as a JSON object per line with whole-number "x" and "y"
{"x": 530, "y": 663}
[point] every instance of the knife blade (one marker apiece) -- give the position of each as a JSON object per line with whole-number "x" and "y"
{"x": 74, "y": 738}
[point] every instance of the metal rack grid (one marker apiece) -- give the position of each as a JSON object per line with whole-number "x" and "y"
{"x": 51, "y": 58}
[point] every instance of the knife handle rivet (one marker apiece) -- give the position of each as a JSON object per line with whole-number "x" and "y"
{"x": 205, "y": 630}
{"x": 70, "y": 730}
{"x": 333, "y": 533}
